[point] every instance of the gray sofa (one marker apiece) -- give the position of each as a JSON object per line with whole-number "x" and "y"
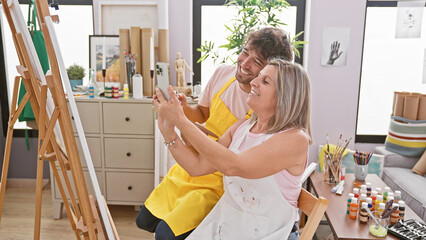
{"x": 397, "y": 175}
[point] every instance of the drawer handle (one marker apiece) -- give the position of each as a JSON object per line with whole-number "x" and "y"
{"x": 127, "y": 119}
{"x": 129, "y": 187}
{"x": 72, "y": 117}
{"x": 128, "y": 154}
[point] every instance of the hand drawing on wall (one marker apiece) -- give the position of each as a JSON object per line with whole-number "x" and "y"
{"x": 334, "y": 52}
{"x": 335, "y": 44}
{"x": 409, "y": 19}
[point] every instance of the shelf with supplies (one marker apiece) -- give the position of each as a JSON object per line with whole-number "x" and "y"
{"x": 120, "y": 136}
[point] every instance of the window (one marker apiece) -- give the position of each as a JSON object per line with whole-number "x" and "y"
{"x": 208, "y": 26}
{"x": 389, "y": 64}
{"x": 76, "y": 24}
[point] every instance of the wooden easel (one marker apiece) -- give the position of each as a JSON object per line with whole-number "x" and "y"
{"x": 83, "y": 215}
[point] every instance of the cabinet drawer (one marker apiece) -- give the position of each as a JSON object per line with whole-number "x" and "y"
{"x": 119, "y": 118}
{"x": 128, "y": 187}
{"x": 89, "y": 116}
{"x": 88, "y": 184}
{"x": 129, "y": 153}
{"x": 94, "y": 144}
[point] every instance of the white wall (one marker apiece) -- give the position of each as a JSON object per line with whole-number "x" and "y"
{"x": 180, "y": 35}
{"x": 335, "y": 89}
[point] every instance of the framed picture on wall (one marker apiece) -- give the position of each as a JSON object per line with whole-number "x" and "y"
{"x": 104, "y": 54}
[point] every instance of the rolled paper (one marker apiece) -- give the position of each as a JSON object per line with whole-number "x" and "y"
{"x": 163, "y": 14}
{"x": 147, "y": 40}
{"x": 124, "y": 46}
{"x": 420, "y": 167}
{"x": 151, "y": 54}
{"x": 163, "y": 45}
{"x": 399, "y": 104}
{"x": 135, "y": 46}
{"x": 393, "y": 102}
{"x": 421, "y": 115}
{"x": 411, "y": 107}
{"x": 103, "y": 53}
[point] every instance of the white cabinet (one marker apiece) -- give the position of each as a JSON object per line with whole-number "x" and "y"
{"x": 120, "y": 137}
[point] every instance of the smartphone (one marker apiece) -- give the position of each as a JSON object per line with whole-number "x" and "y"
{"x": 162, "y": 70}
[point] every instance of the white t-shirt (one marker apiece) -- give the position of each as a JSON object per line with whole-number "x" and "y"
{"x": 233, "y": 97}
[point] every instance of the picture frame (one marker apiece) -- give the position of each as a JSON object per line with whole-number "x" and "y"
{"x": 108, "y": 46}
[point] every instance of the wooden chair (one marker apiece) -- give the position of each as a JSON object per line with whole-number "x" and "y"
{"x": 314, "y": 208}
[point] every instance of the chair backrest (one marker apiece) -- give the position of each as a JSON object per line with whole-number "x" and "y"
{"x": 314, "y": 208}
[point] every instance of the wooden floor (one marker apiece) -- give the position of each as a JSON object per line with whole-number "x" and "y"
{"x": 17, "y": 220}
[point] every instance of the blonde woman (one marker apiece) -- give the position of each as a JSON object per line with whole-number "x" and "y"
{"x": 262, "y": 159}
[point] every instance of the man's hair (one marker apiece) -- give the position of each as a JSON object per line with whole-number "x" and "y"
{"x": 271, "y": 42}
{"x": 293, "y": 90}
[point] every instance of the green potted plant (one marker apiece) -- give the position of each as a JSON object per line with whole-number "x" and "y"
{"x": 252, "y": 15}
{"x": 76, "y": 74}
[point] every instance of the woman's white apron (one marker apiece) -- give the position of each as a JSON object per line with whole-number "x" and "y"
{"x": 249, "y": 209}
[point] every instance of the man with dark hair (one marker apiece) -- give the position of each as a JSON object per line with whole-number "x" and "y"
{"x": 180, "y": 202}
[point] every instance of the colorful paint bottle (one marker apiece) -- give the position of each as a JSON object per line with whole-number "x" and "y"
{"x": 394, "y": 218}
{"x": 381, "y": 209}
{"x": 374, "y": 196}
{"x": 362, "y": 199}
{"x": 390, "y": 198}
{"x": 350, "y": 196}
{"x": 363, "y": 190}
{"x": 356, "y": 192}
{"x": 126, "y": 91}
{"x": 353, "y": 211}
{"x": 368, "y": 189}
{"x": 401, "y": 210}
{"x": 91, "y": 92}
{"x": 397, "y": 196}
{"x": 379, "y": 191}
{"x": 379, "y": 199}
{"x": 363, "y": 214}
{"x": 369, "y": 200}
{"x": 385, "y": 193}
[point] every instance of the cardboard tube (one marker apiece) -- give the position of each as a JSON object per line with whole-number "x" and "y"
{"x": 420, "y": 167}
{"x": 124, "y": 46}
{"x": 163, "y": 45}
{"x": 135, "y": 46}
{"x": 399, "y": 104}
{"x": 421, "y": 115}
{"x": 395, "y": 93}
{"x": 411, "y": 107}
{"x": 147, "y": 34}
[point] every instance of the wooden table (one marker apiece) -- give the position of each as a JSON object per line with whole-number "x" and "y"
{"x": 342, "y": 226}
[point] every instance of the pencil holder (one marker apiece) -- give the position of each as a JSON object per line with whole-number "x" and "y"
{"x": 361, "y": 172}
{"x": 331, "y": 173}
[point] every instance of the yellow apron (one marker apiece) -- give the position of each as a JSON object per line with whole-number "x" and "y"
{"x": 183, "y": 201}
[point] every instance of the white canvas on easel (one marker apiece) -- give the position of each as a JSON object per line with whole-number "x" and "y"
{"x": 80, "y": 131}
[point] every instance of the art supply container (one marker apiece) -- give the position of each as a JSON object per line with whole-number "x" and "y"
{"x": 361, "y": 172}
{"x": 380, "y": 229}
{"x": 137, "y": 86}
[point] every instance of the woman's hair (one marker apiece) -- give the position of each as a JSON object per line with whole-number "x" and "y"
{"x": 293, "y": 92}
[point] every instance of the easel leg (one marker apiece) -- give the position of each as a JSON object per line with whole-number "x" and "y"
{"x": 14, "y": 114}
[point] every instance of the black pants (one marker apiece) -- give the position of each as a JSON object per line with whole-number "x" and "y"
{"x": 148, "y": 222}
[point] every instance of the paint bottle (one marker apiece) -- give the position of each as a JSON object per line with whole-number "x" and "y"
{"x": 391, "y": 194}
{"x": 379, "y": 200}
{"x": 126, "y": 91}
{"x": 374, "y": 196}
{"x": 91, "y": 91}
{"x": 363, "y": 214}
{"x": 401, "y": 210}
{"x": 368, "y": 189}
{"x": 115, "y": 92}
{"x": 381, "y": 209}
{"x": 363, "y": 189}
{"x": 397, "y": 196}
{"x": 354, "y": 208}
{"x": 362, "y": 199}
{"x": 369, "y": 200}
{"x": 385, "y": 193}
{"x": 356, "y": 192}
{"x": 350, "y": 196}
{"x": 394, "y": 218}
{"x": 379, "y": 191}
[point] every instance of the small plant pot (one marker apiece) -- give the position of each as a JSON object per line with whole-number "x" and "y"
{"x": 75, "y": 82}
